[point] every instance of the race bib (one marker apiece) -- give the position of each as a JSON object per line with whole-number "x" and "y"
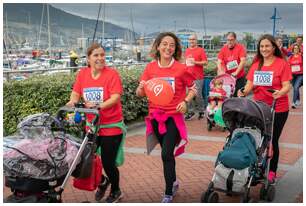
{"x": 93, "y": 95}
{"x": 190, "y": 62}
{"x": 214, "y": 94}
{"x": 232, "y": 65}
{"x": 295, "y": 68}
{"x": 170, "y": 80}
{"x": 263, "y": 78}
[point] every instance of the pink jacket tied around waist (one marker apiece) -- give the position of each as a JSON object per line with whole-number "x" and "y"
{"x": 161, "y": 117}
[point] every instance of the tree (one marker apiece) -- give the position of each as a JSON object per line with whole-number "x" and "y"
{"x": 248, "y": 38}
{"x": 216, "y": 40}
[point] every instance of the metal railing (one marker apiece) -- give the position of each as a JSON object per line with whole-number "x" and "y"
{"x": 8, "y": 74}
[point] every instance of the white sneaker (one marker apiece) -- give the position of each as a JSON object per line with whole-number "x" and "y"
{"x": 293, "y": 106}
{"x": 297, "y": 103}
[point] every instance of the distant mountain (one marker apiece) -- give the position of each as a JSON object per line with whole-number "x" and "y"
{"x": 24, "y": 19}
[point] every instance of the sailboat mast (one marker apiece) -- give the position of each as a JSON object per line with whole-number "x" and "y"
{"x": 49, "y": 33}
{"x": 41, "y": 22}
{"x": 103, "y": 23}
{"x": 204, "y": 21}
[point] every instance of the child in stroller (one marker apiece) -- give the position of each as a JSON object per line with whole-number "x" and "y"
{"x": 42, "y": 156}
{"x": 221, "y": 88}
{"x": 216, "y": 97}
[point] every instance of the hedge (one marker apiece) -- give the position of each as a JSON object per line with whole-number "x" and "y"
{"x": 48, "y": 93}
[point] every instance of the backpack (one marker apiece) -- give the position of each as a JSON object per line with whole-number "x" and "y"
{"x": 239, "y": 153}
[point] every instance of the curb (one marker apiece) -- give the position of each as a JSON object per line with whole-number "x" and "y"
{"x": 136, "y": 125}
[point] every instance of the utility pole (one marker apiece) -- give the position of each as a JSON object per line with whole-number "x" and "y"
{"x": 274, "y": 18}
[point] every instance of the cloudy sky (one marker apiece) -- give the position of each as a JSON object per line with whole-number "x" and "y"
{"x": 219, "y": 18}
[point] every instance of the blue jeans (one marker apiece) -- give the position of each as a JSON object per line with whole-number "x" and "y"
{"x": 297, "y": 82}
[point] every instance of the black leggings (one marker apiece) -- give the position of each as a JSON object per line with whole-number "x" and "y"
{"x": 167, "y": 142}
{"x": 109, "y": 148}
{"x": 279, "y": 122}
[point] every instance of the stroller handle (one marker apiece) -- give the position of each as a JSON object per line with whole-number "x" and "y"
{"x": 64, "y": 109}
{"x": 77, "y": 109}
{"x": 274, "y": 100}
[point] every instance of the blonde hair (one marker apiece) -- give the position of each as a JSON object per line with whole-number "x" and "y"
{"x": 218, "y": 82}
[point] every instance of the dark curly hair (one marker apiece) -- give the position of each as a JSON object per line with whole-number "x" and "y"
{"x": 178, "y": 48}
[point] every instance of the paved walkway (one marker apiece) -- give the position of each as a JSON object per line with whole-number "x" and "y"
{"x": 142, "y": 181}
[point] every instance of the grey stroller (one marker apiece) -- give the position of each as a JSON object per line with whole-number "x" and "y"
{"x": 245, "y": 158}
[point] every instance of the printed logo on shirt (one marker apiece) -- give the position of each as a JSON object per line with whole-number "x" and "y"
{"x": 232, "y": 65}
{"x": 295, "y": 68}
{"x": 214, "y": 94}
{"x": 93, "y": 94}
{"x": 170, "y": 80}
{"x": 263, "y": 78}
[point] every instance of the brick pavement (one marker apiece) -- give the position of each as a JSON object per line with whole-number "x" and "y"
{"x": 141, "y": 177}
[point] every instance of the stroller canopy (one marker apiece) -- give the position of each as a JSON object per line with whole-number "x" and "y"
{"x": 229, "y": 83}
{"x": 36, "y": 151}
{"x": 241, "y": 112}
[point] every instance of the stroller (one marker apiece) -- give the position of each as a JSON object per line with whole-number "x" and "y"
{"x": 42, "y": 156}
{"x": 229, "y": 83}
{"x": 245, "y": 158}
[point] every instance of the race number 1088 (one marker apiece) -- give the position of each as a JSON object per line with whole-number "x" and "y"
{"x": 263, "y": 78}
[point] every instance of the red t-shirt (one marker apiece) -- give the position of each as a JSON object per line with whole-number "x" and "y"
{"x": 281, "y": 72}
{"x": 198, "y": 54}
{"x": 217, "y": 93}
{"x": 179, "y": 78}
{"x": 296, "y": 64}
{"x": 230, "y": 58}
{"x": 284, "y": 51}
{"x": 99, "y": 90}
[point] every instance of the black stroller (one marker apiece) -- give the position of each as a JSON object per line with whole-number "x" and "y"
{"x": 245, "y": 159}
{"x": 38, "y": 161}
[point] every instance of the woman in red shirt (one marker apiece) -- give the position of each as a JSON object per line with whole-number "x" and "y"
{"x": 296, "y": 64}
{"x": 100, "y": 86}
{"x": 166, "y": 123}
{"x": 270, "y": 71}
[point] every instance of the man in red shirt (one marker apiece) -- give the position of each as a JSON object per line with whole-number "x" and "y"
{"x": 196, "y": 58}
{"x": 231, "y": 60}
{"x": 279, "y": 42}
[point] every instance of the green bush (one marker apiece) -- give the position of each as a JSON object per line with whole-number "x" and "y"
{"x": 48, "y": 93}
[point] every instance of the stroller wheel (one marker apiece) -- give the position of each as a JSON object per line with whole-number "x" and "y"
{"x": 213, "y": 197}
{"x": 205, "y": 195}
{"x": 270, "y": 193}
{"x": 245, "y": 197}
{"x": 267, "y": 194}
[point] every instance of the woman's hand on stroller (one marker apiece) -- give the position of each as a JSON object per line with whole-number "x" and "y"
{"x": 91, "y": 105}
{"x": 71, "y": 103}
{"x": 240, "y": 93}
{"x": 276, "y": 94}
{"x": 182, "y": 107}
